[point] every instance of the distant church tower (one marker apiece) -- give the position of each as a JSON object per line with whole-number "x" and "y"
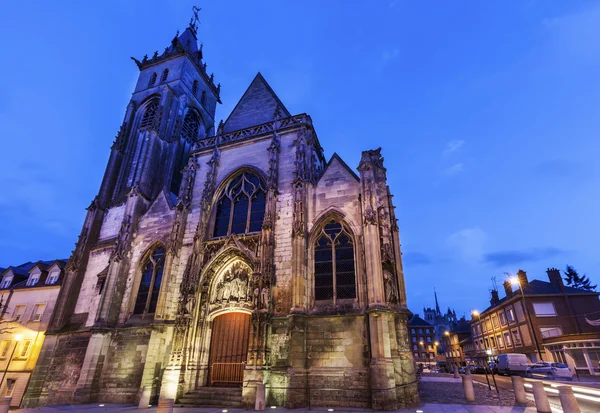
{"x": 214, "y": 260}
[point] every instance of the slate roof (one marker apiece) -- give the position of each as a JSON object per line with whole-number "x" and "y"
{"x": 21, "y": 272}
{"x": 538, "y": 287}
{"x": 418, "y": 321}
{"x": 257, "y": 106}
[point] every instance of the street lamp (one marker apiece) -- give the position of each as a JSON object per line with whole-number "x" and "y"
{"x": 478, "y": 315}
{"x": 516, "y": 281}
{"x": 18, "y": 338}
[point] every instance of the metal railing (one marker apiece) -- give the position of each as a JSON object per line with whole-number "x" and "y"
{"x": 227, "y": 372}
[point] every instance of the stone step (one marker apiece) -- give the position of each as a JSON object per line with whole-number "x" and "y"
{"x": 213, "y": 397}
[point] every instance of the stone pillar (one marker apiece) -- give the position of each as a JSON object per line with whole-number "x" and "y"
{"x": 467, "y": 382}
{"x": 456, "y": 375}
{"x": 93, "y": 361}
{"x": 568, "y": 400}
{"x": 383, "y": 394}
{"x": 145, "y": 398}
{"x": 165, "y": 406}
{"x": 260, "y": 397}
{"x": 519, "y": 389}
{"x": 541, "y": 398}
{"x": 5, "y": 404}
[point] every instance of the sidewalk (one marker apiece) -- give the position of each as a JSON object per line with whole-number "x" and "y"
{"x": 425, "y": 408}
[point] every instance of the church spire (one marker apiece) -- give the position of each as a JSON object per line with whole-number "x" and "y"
{"x": 437, "y": 306}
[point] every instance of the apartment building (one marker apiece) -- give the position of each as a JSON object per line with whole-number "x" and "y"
{"x": 422, "y": 341}
{"x": 27, "y": 296}
{"x": 542, "y": 319}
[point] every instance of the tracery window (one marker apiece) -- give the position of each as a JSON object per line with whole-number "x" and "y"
{"x": 191, "y": 125}
{"x": 241, "y": 206}
{"x": 195, "y": 87}
{"x": 149, "y": 114}
{"x": 334, "y": 263}
{"x": 152, "y": 80}
{"x": 152, "y": 271}
{"x": 164, "y": 75}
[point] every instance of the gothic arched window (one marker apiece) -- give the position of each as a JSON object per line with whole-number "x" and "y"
{"x": 191, "y": 125}
{"x": 241, "y": 206}
{"x": 152, "y": 270}
{"x": 152, "y": 80}
{"x": 203, "y": 98}
{"x": 334, "y": 263}
{"x": 195, "y": 87}
{"x": 164, "y": 75}
{"x": 149, "y": 114}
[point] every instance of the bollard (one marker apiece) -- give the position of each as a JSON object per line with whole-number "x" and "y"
{"x": 541, "y": 398}
{"x": 456, "y": 376}
{"x": 145, "y": 399}
{"x": 568, "y": 400}
{"x": 467, "y": 382}
{"x": 519, "y": 389}
{"x": 165, "y": 406}
{"x": 468, "y": 371}
{"x": 260, "y": 397}
{"x": 5, "y": 404}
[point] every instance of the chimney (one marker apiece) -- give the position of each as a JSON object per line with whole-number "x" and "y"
{"x": 555, "y": 278}
{"x": 495, "y": 298}
{"x": 522, "y": 278}
{"x": 508, "y": 288}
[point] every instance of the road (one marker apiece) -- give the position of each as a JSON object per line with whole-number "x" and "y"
{"x": 587, "y": 396}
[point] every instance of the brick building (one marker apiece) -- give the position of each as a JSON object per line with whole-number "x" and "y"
{"x": 458, "y": 345}
{"x": 423, "y": 341}
{"x": 240, "y": 234}
{"x": 552, "y": 319}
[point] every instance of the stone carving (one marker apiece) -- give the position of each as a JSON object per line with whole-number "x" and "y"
{"x": 234, "y": 286}
{"x": 273, "y": 161}
{"x": 300, "y": 162}
{"x": 122, "y": 239}
{"x": 298, "y": 214}
{"x": 264, "y": 298}
{"x": 391, "y": 292}
{"x": 75, "y": 258}
{"x": 187, "y": 183}
{"x": 371, "y": 159}
{"x": 211, "y": 175}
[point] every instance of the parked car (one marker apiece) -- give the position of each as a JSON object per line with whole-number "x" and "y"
{"x": 477, "y": 370}
{"x": 512, "y": 363}
{"x": 547, "y": 370}
{"x": 493, "y": 367}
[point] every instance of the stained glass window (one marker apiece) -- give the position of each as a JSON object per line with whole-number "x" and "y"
{"x": 241, "y": 207}
{"x": 334, "y": 263}
{"x": 152, "y": 270}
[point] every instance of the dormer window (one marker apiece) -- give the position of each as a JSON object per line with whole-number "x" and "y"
{"x": 34, "y": 277}
{"x": 164, "y": 75}
{"x": 6, "y": 281}
{"x": 53, "y": 276}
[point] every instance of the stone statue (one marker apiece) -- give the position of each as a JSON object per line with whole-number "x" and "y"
{"x": 256, "y": 297}
{"x": 264, "y": 297}
{"x": 390, "y": 287}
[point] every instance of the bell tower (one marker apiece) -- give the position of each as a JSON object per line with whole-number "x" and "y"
{"x": 173, "y": 105}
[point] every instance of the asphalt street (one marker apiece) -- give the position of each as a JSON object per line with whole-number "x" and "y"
{"x": 587, "y": 396}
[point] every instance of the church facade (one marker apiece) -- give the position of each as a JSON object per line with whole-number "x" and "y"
{"x": 220, "y": 258}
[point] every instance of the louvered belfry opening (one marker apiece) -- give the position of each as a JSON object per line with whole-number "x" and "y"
{"x": 229, "y": 349}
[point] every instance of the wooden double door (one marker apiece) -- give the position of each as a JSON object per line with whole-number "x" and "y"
{"x": 229, "y": 349}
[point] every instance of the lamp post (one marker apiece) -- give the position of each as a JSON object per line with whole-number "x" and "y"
{"x": 422, "y": 347}
{"x": 448, "y": 346}
{"x": 435, "y": 353}
{"x": 478, "y": 315}
{"x": 18, "y": 338}
{"x": 516, "y": 281}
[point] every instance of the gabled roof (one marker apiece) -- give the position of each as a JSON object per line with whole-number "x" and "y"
{"x": 538, "y": 287}
{"x": 418, "y": 321}
{"x": 22, "y": 272}
{"x": 258, "y": 105}
{"x": 344, "y": 165}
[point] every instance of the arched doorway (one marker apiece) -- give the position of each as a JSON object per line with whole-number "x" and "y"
{"x": 229, "y": 349}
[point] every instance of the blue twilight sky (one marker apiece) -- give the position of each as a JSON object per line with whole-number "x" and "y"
{"x": 487, "y": 112}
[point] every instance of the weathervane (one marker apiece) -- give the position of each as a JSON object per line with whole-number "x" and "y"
{"x": 194, "y": 20}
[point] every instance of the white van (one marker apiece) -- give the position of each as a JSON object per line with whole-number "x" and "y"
{"x": 512, "y": 363}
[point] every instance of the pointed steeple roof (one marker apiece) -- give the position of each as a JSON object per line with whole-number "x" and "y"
{"x": 259, "y": 104}
{"x": 437, "y": 306}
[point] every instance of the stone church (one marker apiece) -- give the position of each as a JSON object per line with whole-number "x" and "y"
{"x": 216, "y": 258}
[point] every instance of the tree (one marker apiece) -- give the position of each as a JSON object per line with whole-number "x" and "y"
{"x": 573, "y": 279}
